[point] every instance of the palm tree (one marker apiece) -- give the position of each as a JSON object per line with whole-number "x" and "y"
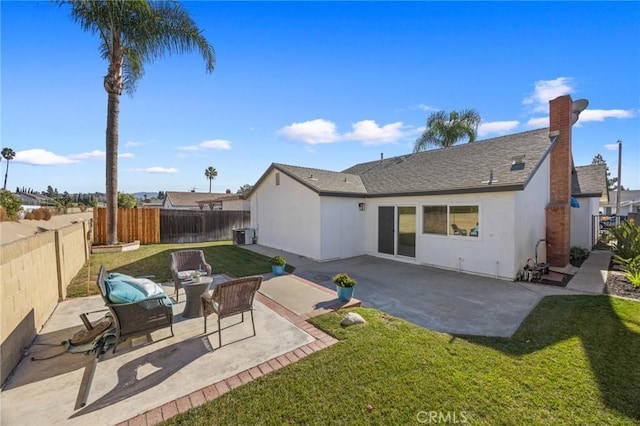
{"x": 211, "y": 173}
{"x": 444, "y": 130}
{"x": 8, "y": 154}
{"x": 132, "y": 33}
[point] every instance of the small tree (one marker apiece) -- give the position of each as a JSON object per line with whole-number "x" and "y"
{"x": 126, "y": 201}
{"x": 210, "y": 173}
{"x": 8, "y": 154}
{"x": 11, "y": 204}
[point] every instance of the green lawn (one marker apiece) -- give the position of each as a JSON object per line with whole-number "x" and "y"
{"x": 575, "y": 360}
{"x": 153, "y": 259}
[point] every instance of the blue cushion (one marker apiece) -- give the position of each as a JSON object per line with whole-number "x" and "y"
{"x": 122, "y": 292}
{"x": 118, "y": 276}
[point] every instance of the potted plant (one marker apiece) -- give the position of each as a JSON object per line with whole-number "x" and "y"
{"x": 344, "y": 285}
{"x": 277, "y": 265}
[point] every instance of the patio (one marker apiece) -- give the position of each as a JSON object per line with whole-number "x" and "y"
{"x": 151, "y": 381}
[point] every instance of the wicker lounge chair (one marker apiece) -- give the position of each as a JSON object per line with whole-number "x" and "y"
{"x": 187, "y": 260}
{"x": 231, "y": 298}
{"x": 136, "y": 318}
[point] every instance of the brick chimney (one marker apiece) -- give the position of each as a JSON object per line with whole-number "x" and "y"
{"x": 558, "y": 211}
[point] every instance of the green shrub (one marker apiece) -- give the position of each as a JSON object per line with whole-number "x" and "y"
{"x": 627, "y": 245}
{"x": 578, "y": 255}
{"x": 631, "y": 268}
{"x": 278, "y": 261}
{"x": 11, "y": 204}
{"x": 344, "y": 280}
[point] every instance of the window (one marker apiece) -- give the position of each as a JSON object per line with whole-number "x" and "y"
{"x": 451, "y": 220}
{"x": 463, "y": 220}
{"x": 434, "y": 220}
{"x": 277, "y": 178}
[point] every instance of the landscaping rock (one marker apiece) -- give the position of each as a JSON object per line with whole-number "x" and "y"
{"x": 351, "y": 319}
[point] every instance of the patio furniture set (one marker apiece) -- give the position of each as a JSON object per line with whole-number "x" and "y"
{"x": 140, "y": 306}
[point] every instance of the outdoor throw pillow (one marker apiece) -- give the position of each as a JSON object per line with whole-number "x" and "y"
{"x": 145, "y": 285}
{"x": 185, "y": 275}
{"x": 122, "y": 292}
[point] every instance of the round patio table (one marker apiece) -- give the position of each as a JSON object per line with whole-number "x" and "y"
{"x": 193, "y": 290}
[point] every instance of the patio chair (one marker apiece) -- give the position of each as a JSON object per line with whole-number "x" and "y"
{"x": 231, "y": 298}
{"x": 458, "y": 231}
{"x": 185, "y": 261}
{"x": 136, "y": 318}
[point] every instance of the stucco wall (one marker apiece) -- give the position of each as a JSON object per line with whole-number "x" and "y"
{"x": 530, "y": 223}
{"x": 582, "y": 222}
{"x": 287, "y": 216}
{"x": 35, "y": 272}
{"x": 342, "y": 228}
{"x": 490, "y": 254}
{"x": 242, "y": 205}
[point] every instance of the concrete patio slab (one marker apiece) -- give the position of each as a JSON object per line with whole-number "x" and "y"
{"x": 295, "y": 295}
{"x": 135, "y": 380}
{"x": 441, "y": 300}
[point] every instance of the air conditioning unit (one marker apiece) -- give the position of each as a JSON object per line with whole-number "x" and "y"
{"x": 243, "y": 236}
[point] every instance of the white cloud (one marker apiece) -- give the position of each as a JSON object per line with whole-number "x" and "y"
{"x": 370, "y": 133}
{"x": 602, "y": 114}
{"x": 98, "y": 155}
{"x": 132, "y": 144}
{"x": 424, "y": 107}
{"x": 157, "y": 170}
{"x": 546, "y": 90}
{"x": 611, "y": 146}
{"x": 538, "y": 122}
{"x": 498, "y": 127}
{"x": 93, "y": 155}
{"x": 41, "y": 157}
{"x": 320, "y": 131}
{"x": 218, "y": 144}
{"x": 311, "y": 132}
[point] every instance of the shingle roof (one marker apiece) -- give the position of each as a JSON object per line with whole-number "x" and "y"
{"x": 189, "y": 198}
{"x": 466, "y": 167}
{"x": 322, "y": 181}
{"x": 589, "y": 180}
{"x": 460, "y": 168}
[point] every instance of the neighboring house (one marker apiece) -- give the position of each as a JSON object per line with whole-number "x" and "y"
{"x": 227, "y": 201}
{"x": 589, "y": 188}
{"x": 629, "y": 203}
{"x": 479, "y": 207}
{"x": 186, "y": 200}
{"x": 33, "y": 201}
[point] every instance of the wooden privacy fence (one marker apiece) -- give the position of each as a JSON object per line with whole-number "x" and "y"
{"x": 133, "y": 224}
{"x": 192, "y": 226}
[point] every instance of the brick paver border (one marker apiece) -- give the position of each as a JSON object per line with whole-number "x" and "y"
{"x": 211, "y": 392}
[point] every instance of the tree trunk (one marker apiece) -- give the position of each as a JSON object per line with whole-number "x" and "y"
{"x": 5, "y": 184}
{"x": 113, "y": 111}
{"x": 7, "y": 174}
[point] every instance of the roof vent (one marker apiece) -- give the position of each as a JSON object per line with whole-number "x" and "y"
{"x": 517, "y": 163}
{"x": 491, "y": 179}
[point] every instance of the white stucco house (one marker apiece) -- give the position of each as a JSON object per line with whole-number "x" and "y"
{"x": 479, "y": 208}
{"x": 629, "y": 203}
{"x": 589, "y": 188}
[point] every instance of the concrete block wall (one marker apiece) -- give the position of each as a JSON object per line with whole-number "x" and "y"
{"x": 34, "y": 273}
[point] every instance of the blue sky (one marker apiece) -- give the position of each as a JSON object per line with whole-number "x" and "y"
{"x": 324, "y": 85}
